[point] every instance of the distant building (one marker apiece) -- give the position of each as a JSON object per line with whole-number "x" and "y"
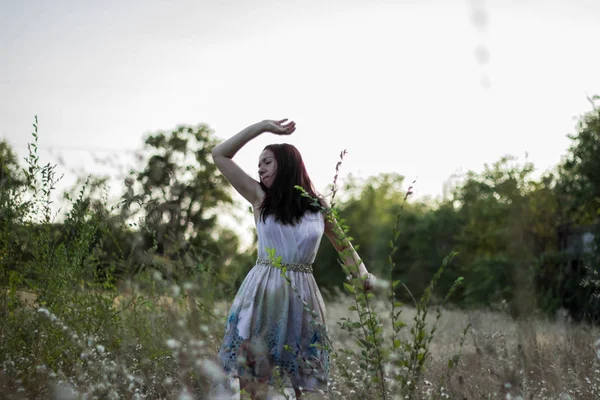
{"x": 577, "y": 240}
{"x": 577, "y": 244}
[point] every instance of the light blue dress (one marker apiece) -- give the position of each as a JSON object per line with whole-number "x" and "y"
{"x": 275, "y": 325}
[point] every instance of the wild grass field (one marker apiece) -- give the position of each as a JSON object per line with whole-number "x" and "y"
{"x": 165, "y": 346}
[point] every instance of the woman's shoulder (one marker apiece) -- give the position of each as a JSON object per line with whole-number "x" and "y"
{"x": 313, "y": 214}
{"x": 323, "y": 202}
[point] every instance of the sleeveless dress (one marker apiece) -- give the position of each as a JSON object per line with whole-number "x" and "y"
{"x": 276, "y": 329}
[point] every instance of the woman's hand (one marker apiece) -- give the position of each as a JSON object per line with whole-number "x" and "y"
{"x": 279, "y": 127}
{"x": 368, "y": 281}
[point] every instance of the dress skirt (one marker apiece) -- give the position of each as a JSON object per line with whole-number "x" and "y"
{"x": 276, "y": 330}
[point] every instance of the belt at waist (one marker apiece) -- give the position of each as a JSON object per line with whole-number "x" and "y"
{"x": 289, "y": 266}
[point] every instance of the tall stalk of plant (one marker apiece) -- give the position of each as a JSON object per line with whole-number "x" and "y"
{"x": 58, "y": 268}
{"x": 368, "y": 330}
{"x": 396, "y": 306}
{"x": 371, "y": 328}
{"x": 40, "y": 182}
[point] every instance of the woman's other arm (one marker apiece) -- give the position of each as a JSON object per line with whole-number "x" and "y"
{"x": 344, "y": 247}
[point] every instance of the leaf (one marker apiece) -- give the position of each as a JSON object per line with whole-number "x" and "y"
{"x": 349, "y": 288}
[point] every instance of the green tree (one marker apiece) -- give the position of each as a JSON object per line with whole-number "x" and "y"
{"x": 580, "y": 170}
{"x": 10, "y": 171}
{"x": 370, "y": 211}
{"x": 181, "y": 193}
{"x": 12, "y": 210}
{"x": 493, "y": 245}
{"x": 578, "y": 190}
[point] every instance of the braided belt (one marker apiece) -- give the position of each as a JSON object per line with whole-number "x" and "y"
{"x": 289, "y": 266}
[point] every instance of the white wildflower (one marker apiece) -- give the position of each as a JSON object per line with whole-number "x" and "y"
{"x": 185, "y": 395}
{"x": 212, "y": 370}
{"x": 65, "y": 392}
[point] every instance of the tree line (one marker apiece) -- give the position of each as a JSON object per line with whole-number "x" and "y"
{"x": 524, "y": 244}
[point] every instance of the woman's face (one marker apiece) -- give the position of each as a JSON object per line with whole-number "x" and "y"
{"x": 267, "y": 167}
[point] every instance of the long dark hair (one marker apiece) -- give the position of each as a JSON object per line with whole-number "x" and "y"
{"x": 282, "y": 199}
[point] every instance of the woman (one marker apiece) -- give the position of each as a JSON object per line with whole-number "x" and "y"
{"x": 276, "y": 326}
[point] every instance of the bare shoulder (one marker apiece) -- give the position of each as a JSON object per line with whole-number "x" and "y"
{"x": 325, "y": 211}
{"x": 329, "y": 220}
{"x": 322, "y": 200}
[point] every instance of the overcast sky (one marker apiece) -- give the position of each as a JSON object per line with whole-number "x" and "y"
{"x": 422, "y": 88}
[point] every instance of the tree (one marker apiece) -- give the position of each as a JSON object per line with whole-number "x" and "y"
{"x": 180, "y": 192}
{"x": 580, "y": 170}
{"x": 12, "y": 209}
{"x": 10, "y": 174}
{"x": 578, "y": 190}
{"x": 369, "y": 211}
{"x": 493, "y": 244}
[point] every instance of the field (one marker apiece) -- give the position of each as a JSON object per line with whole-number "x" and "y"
{"x": 167, "y": 347}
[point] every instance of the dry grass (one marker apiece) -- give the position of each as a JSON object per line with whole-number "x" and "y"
{"x": 503, "y": 357}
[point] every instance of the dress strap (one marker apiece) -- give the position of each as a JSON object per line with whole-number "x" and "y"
{"x": 289, "y": 266}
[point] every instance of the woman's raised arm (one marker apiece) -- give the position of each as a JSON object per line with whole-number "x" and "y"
{"x": 223, "y": 153}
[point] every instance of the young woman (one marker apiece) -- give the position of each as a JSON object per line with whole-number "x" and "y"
{"x": 276, "y": 329}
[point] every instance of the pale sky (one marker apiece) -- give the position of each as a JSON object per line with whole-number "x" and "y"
{"x": 422, "y": 88}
